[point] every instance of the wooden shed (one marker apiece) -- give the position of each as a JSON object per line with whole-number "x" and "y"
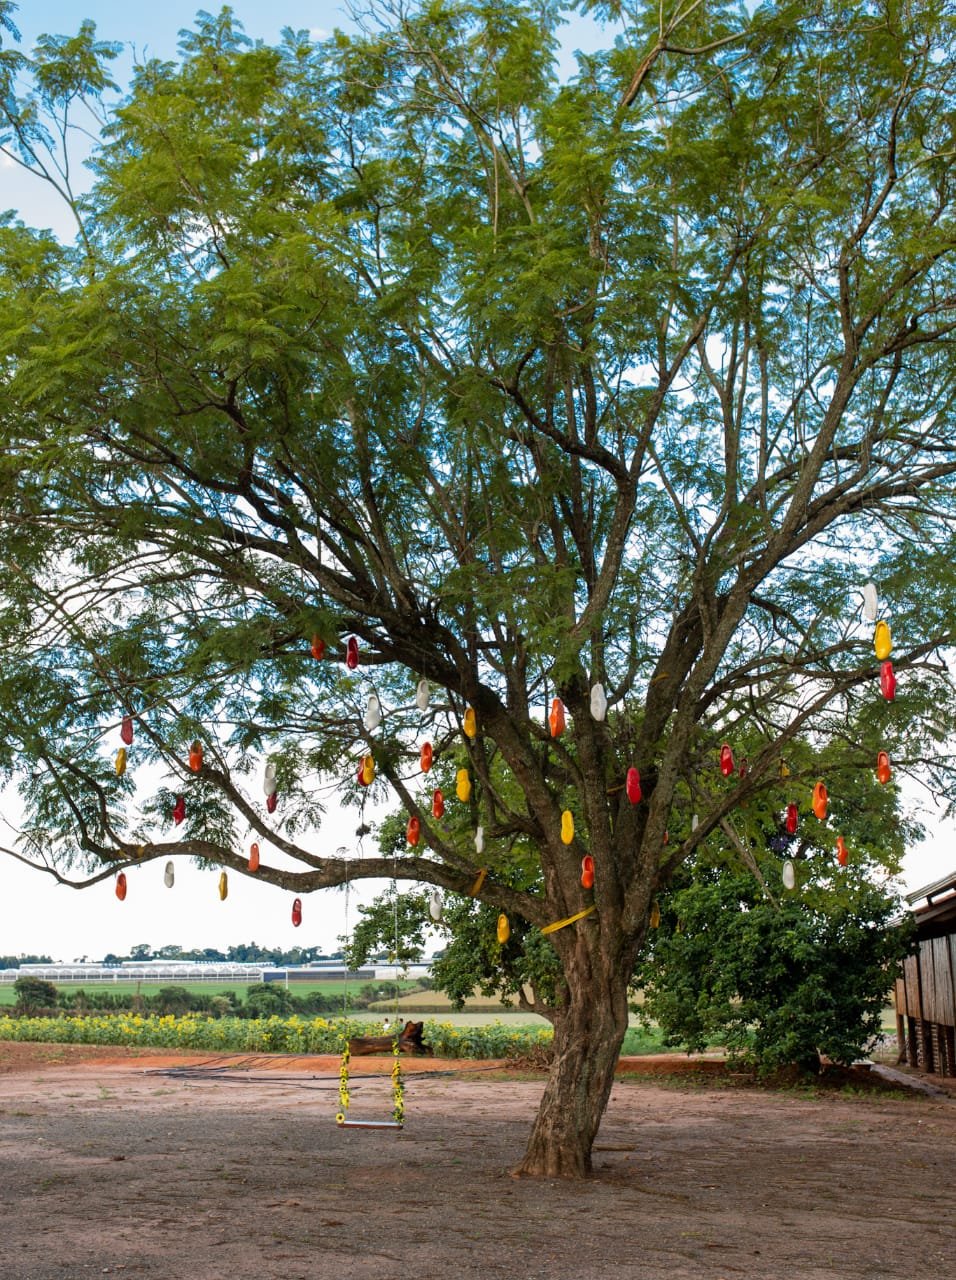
{"x": 925, "y": 995}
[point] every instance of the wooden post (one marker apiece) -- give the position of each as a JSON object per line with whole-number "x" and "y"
{"x": 927, "y": 1056}
{"x": 949, "y": 1035}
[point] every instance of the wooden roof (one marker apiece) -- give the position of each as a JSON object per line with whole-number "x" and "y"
{"x": 938, "y": 916}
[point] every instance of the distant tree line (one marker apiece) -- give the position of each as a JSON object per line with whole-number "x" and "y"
{"x": 241, "y": 953}
{"x": 14, "y": 962}
{"x": 37, "y": 996}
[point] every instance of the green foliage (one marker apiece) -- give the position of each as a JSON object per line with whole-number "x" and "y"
{"x": 174, "y": 1000}
{"x": 14, "y": 962}
{"x": 34, "y": 993}
{"x": 261, "y": 999}
{"x": 525, "y": 968}
{"x": 268, "y": 998}
{"x": 778, "y": 983}
{"x": 395, "y": 924}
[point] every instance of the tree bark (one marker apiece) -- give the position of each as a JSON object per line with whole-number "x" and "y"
{"x": 588, "y": 1033}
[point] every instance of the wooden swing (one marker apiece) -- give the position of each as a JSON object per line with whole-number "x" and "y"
{"x": 345, "y": 1121}
{"x": 342, "y": 1118}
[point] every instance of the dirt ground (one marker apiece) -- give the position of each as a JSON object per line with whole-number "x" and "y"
{"x": 109, "y": 1167}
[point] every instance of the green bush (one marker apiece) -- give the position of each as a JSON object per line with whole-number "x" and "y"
{"x": 33, "y": 994}
{"x": 778, "y": 983}
{"x": 268, "y": 998}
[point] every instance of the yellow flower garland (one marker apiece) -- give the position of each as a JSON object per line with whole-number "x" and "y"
{"x": 398, "y": 1089}
{"x": 344, "y": 1097}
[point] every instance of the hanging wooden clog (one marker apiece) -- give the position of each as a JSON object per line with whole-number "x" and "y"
{"x": 784, "y": 770}
{"x": 352, "y": 653}
{"x": 743, "y": 768}
{"x": 883, "y": 769}
{"x": 655, "y": 917}
{"x": 368, "y": 770}
{"x": 843, "y": 854}
{"x": 373, "y": 713}
{"x": 726, "y": 760}
{"x": 422, "y": 695}
{"x": 820, "y": 799}
{"x": 425, "y": 759}
{"x": 169, "y": 875}
{"x": 317, "y": 648}
{"x": 121, "y": 886}
{"x": 632, "y": 785}
{"x": 179, "y": 810}
{"x": 504, "y": 929}
{"x": 887, "y": 681}
{"x": 567, "y": 826}
{"x": 253, "y": 857}
{"x": 788, "y": 875}
{"x": 126, "y": 730}
{"x": 438, "y": 804}
{"x": 463, "y": 786}
{"x": 882, "y": 641}
{"x": 120, "y": 762}
{"x": 479, "y": 840}
{"x": 223, "y": 887}
{"x": 296, "y": 912}
{"x": 587, "y": 872}
{"x": 470, "y": 723}
{"x": 269, "y": 784}
{"x": 598, "y": 702}
{"x": 195, "y": 755}
{"x": 272, "y": 803}
{"x": 413, "y": 830}
{"x": 556, "y": 718}
{"x": 435, "y": 905}
{"x": 871, "y": 601}
{"x": 694, "y": 822}
{"x": 792, "y": 819}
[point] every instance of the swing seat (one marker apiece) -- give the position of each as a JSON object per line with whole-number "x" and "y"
{"x": 343, "y": 1123}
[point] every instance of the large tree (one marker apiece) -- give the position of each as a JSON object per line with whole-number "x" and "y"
{"x": 525, "y": 384}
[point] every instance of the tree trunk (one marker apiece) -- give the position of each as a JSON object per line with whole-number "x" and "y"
{"x": 588, "y": 1033}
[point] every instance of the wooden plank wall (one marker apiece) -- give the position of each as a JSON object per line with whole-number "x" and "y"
{"x": 909, "y": 988}
{"x": 926, "y": 1006}
{"x": 945, "y": 995}
{"x": 928, "y": 986}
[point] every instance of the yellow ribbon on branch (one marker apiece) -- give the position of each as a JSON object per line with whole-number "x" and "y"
{"x": 479, "y": 881}
{"x": 560, "y": 924}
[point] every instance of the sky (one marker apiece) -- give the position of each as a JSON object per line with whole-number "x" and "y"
{"x": 37, "y": 915}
